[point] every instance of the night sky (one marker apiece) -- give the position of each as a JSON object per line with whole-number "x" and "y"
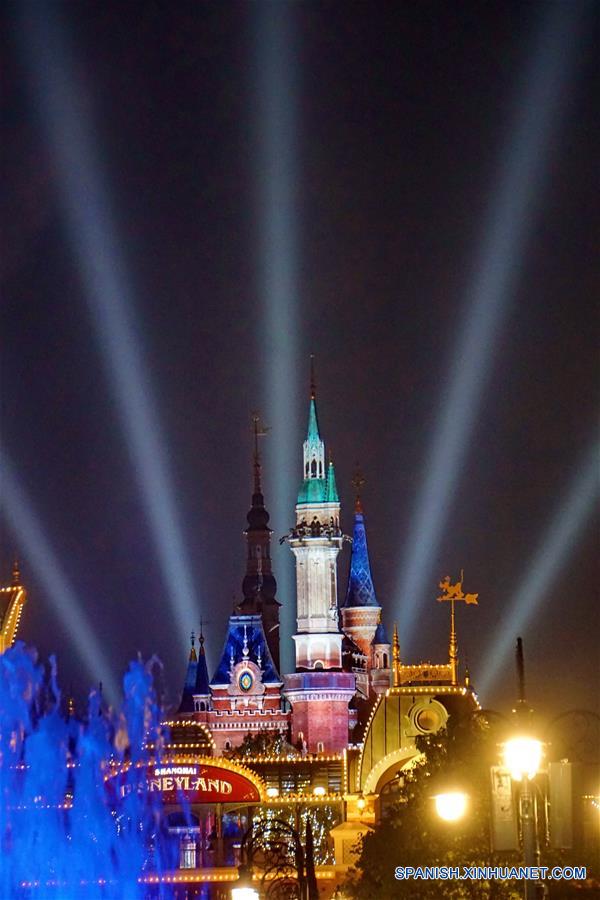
{"x": 402, "y": 111}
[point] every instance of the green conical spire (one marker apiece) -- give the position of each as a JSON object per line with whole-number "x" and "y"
{"x": 312, "y": 434}
{"x": 331, "y": 492}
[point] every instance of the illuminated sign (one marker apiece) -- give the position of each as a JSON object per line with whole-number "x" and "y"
{"x": 194, "y": 784}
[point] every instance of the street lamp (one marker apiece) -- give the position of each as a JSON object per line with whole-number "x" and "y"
{"x": 243, "y": 889}
{"x": 451, "y": 805}
{"x": 522, "y": 758}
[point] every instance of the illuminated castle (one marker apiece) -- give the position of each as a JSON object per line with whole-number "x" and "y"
{"x": 12, "y": 600}
{"x": 342, "y": 655}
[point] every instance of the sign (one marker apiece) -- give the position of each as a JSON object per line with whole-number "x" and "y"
{"x": 504, "y": 832}
{"x": 192, "y": 783}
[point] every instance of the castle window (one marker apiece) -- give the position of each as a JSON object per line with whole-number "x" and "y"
{"x": 313, "y": 468}
{"x": 227, "y": 745}
{"x": 319, "y": 665}
{"x": 320, "y": 747}
{"x": 385, "y": 660}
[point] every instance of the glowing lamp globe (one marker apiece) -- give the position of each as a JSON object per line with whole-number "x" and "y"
{"x": 243, "y": 889}
{"x": 522, "y": 757}
{"x": 244, "y": 893}
{"x": 451, "y": 806}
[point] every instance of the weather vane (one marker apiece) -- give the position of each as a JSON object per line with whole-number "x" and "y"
{"x": 453, "y": 592}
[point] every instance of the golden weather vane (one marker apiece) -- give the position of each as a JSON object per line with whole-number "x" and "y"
{"x": 453, "y": 592}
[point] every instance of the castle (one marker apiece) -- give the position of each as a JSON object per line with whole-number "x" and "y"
{"x": 342, "y": 653}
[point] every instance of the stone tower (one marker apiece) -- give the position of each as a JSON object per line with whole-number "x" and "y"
{"x": 319, "y": 690}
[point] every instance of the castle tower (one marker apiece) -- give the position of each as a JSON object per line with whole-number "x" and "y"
{"x": 381, "y": 671}
{"x": 361, "y": 613}
{"x": 319, "y": 691}
{"x": 259, "y": 586}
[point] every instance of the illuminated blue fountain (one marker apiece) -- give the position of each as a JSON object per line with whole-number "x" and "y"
{"x": 63, "y": 834}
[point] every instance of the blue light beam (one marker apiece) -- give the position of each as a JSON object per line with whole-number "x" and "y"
{"x": 25, "y": 526}
{"x": 63, "y": 110}
{"x": 277, "y": 179}
{"x": 523, "y": 165}
{"x": 552, "y": 554}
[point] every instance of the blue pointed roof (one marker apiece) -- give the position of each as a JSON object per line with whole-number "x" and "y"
{"x": 361, "y": 591}
{"x": 380, "y": 636}
{"x": 246, "y": 640}
{"x": 196, "y": 678}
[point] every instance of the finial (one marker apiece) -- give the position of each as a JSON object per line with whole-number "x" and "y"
{"x": 16, "y": 574}
{"x": 201, "y": 636}
{"x": 520, "y": 670}
{"x": 358, "y": 482}
{"x": 467, "y": 675}
{"x": 192, "y": 638}
{"x": 259, "y": 430}
{"x": 313, "y": 384}
{"x": 71, "y": 706}
{"x": 259, "y": 658}
{"x": 192, "y": 656}
{"x": 396, "y": 657}
{"x": 245, "y": 650}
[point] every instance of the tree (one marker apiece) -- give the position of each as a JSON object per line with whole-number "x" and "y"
{"x": 412, "y": 835}
{"x": 264, "y": 743}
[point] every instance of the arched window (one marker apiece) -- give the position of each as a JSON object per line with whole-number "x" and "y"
{"x": 385, "y": 660}
{"x": 319, "y": 665}
{"x": 227, "y": 745}
{"x": 320, "y": 747}
{"x": 313, "y": 468}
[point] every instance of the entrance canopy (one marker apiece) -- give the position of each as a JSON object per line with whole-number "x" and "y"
{"x": 192, "y": 780}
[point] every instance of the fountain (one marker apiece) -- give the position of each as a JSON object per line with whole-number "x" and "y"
{"x": 63, "y": 833}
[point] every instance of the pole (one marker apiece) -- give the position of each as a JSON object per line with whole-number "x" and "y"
{"x": 453, "y": 649}
{"x": 531, "y": 846}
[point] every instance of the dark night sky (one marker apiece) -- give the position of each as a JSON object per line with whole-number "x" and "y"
{"x": 402, "y": 110}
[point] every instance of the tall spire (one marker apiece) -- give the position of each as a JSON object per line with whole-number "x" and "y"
{"x": 16, "y": 574}
{"x": 259, "y": 586}
{"x": 361, "y": 590}
{"x": 331, "y": 491}
{"x": 314, "y": 470}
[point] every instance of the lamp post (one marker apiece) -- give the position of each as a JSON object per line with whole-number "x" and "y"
{"x": 522, "y": 758}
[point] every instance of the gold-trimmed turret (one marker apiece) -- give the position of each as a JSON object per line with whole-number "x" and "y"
{"x": 12, "y": 600}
